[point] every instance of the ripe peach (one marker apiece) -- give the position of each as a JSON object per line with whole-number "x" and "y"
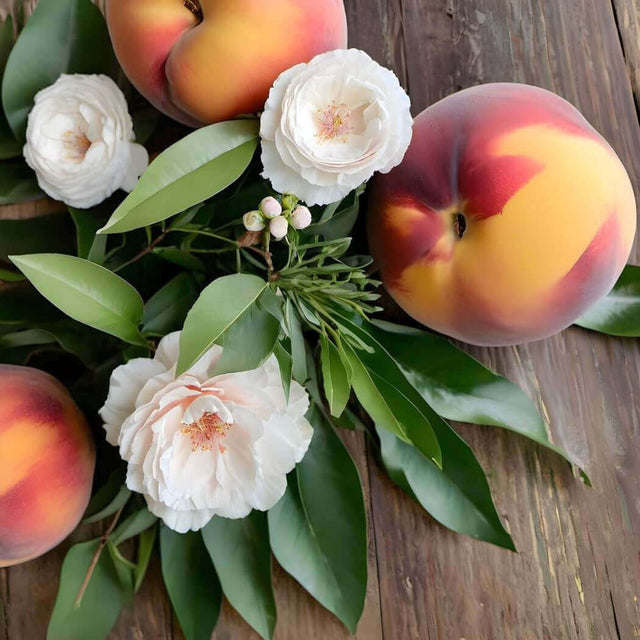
{"x": 203, "y": 61}
{"x": 509, "y": 216}
{"x": 47, "y": 461}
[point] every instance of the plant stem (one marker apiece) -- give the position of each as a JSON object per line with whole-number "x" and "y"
{"x": 148, "y": 249}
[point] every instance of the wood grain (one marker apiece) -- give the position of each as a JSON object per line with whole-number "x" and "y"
{"x": 577, "y": 573}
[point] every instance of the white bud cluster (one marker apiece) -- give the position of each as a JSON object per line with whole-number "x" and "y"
{"x": 278, "y": 216}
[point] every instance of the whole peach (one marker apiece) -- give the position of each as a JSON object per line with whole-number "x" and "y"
{"x": 47, "y": 461}
{"x": 204, "y": 61}
{"x": 508, "y": 217}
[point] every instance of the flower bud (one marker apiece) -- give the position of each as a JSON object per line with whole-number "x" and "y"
{"x": 270, "y": 207}
{"x": 278, "y": 227}
{"x": 289, "y": 202}
{"x": 253, "y": 221}
{"x": 301, "y": 218}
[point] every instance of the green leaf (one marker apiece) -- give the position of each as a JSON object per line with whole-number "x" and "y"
{"x": 318, "y": 531}
{"x": 285, "y": 363}
{"x": 25, "y": 338}
{"x": 337, "y": 221}
{"x": 124, "y": 570}
{"x": 292, "y": 323}
{"x": 617, "y": 314}
{"x": 180, "y": 258}
{"x": 10, "y": 276}
{"x": 66, "y": 36}
{"x": 41, "y": 234}
{"x": 9, "y": 146}
{"x": 97, "y": 511}
{"x": 145, "y": 549}
{"x": 457, "y": 496}
{"x": 457, "y": 386}
{"x": 107, "y": 493}
{"x": 336, "y": 377}
{"x": 101, "y": 603}
{"x": 191, "y": 581}
{"x": 240, "y": 553}
{"x": 89, "y": 245}
{"x": 196, "y": 168}
{"x": 86, "y": 292}
{"x": 166, "y": 310}
{"x": 219, "y": 306}
{"x": 135, "y": 524}
{"x": 17, "y": 183}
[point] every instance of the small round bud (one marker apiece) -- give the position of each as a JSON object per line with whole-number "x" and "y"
{"x": 253, "y": 221}
{"x": 270, "y": 207}
{"x": 301, "y": 218}
{"x": 278, "y": 227}
{"x": 289, "y": 202}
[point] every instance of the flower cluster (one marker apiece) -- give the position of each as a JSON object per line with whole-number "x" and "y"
{"x": 278, "y": 216}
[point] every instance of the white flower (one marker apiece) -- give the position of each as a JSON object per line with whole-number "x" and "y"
{"x": 278, "y": 227}
{"x": 80, "y": 141}
{"x": 301, "y": 218}
{"x": 330, "y": 124}
{"x": 270, "y": 207}
{"x": 253, "y": 221}
{"x": 202, "y": 445}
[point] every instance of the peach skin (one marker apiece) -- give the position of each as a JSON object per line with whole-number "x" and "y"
{"x": 204, "y": 61}
{"x": 507, "y": 219}
{"x": 47, "y": 461}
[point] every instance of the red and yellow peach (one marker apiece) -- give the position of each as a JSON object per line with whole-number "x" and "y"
{"x": 47, "y": 461}
{"x": 509, "y": 216}
{"x": 203, "y": 61}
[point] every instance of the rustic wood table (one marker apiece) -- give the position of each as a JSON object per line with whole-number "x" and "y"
{"x": 577, "y": 573}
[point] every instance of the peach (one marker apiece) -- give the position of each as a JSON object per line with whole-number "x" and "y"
{"x": 47, "y": 461}
{"x": 204, "y": 61}
{"x": 508, "y": 217}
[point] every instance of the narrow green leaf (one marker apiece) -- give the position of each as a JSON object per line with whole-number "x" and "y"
{"x": 191, "y": 581}
{"x": 324, "y": 549}
{"x": 166, "y": 310}
{"x": 457, "y": 496}
{"x": 285, "y": 362}
{"x": 124, "y": 570}
{"x": 10, "y": 276}
{"x": 89, "y": 245}
{"x": 219, "y": 306}
{"x": 292, "y": 323}
{"x": 617, "y": 314}
{"x": 9, "y": 146}
{"x": 336, "y": 377}
{"x": 101, "y": 603}
{"x": 135, "y": 524}
{"x": 145, "y": 549}
{"x": 86, "y": 292}
{"x": 337, "y": 222}
{"x": 28, "y": 337}
{"x": 66, "y": 36}
{"x": 180, "y": 258}
{"x": 17, "y": 183}
{"x": 118, "y": 501}
{"x": 195, "y": 168}
{"x": 49, "y": 232}
{"x": 104, "y": 496}
{"x": 240, "y": 553}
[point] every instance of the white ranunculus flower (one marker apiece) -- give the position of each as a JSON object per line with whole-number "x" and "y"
{"x": 330, "y": 124}
{"x": 80, "y": 141}
{"x": 201, "y": 445}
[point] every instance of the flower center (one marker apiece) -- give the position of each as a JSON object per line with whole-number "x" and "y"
{"x": 76, "y": 144}
{"x": 206, "y": 431}
{"x": 334, "y": 122}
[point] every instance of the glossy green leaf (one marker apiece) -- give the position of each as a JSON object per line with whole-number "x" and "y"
{"x": 197, "y": 167}
{"x": 242, "y": 558}
{"x": 292, "y": 323}
{"x": 336, "y": 377}
{"x": 124, "y": 570}
{"x": 135, "y": 524}
{"x": 457, "y": 496}
{"x": 166, "y": 310}
{"x": 146, "y": 541}
{"x": 89, "y": 245}
{"x": 191, "y": 581}
{"x": 249, "y": 341}
{"x": 102, "y": 601}
{"x": 17, "y": 183}
{"x": 106, "y": 495}
{"x": 285, "y": 363}
{"x": 337, "y": 221}
{"x": 617, "y": 314}
{"x": 25, "y": 338}
{"x": 119, "y": 500}
{"x": 318, "y": 530}
{"x": 86, "y": 292}
{"x": 219, "y": 306}
{"x": 65, "y": 36}
{"x": 9, "y": 146}
{"x": 41, "y": 234}
{"x": 457, "y": 386}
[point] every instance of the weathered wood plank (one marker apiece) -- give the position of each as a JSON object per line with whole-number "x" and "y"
{"x": 627, "y": 13}
{"x": 578, "y": 571}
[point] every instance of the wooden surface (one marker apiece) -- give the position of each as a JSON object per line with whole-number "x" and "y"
{"x": 577, "y": 573}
